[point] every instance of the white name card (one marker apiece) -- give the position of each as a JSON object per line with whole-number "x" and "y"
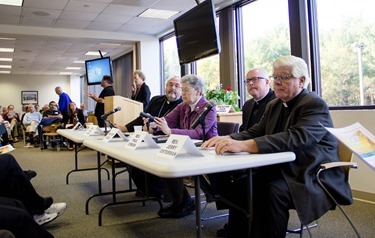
{"x": 93, "y": 130}
{"x": 136, "y": 139}
{"x": 112, "y": 133}
{"x": 224, "y": 108}
{"x": 178, "y": 144}
{"x": 78, "y": 126}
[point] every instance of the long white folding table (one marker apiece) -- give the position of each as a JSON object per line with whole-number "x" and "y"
{"x": 185, "y": 165}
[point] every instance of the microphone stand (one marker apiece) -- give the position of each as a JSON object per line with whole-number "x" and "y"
{"x": 105, "y": 124}
{"x": 202, "y": 121}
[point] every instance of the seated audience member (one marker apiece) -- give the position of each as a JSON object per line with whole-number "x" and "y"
{"x": 31, "y": 121}
{"x": 141, "y": 91}
{"x": 74, "y": 115}
{"x": 52, "y": 115}
{"x": 290, "y": 123}
{"x": 15, "y": 184}
{"x": 13, "y": 118}
{"x": 179, "y": 121}
{"x": 15, "y": 219}
{"x": 159, "y": 106}
{"x": 4, "y": 137}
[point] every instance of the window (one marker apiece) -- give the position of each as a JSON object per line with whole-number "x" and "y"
{"x": 265, "y": 33}
{"x": 209, "y": 70}
{"x": 347, "y": 46}
{"x": 170, "y": 59}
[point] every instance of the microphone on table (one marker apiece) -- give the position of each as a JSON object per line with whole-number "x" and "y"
{"x": 203, "y": 114}
{"x": 105, "y": 115}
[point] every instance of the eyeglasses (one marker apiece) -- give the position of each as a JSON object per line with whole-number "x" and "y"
{"x": 283, "y": 77}
{"x": 253, "y": 80}
{"x": 188, "y": 90}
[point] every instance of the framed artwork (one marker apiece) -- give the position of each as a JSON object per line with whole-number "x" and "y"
{"x": 28, "y": 97}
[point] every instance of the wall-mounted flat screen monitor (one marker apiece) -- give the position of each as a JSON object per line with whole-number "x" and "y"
{"x": 96, "y": 68}
{"x": 196, "y": 33}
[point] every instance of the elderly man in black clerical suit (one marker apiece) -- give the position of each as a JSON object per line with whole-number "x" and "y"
{"x": 292, "y": 122}
{"x": 159, "y": 106}
{"x": 258, "y": 86}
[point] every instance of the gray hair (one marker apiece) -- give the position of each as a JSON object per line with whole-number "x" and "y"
{"x": 194, "y": 80}
{"x": 298, "y": 66}
{"x": 140, "y": 74}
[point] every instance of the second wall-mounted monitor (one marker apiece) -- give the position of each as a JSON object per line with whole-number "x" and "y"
{"x": 196, "y": 33}
{"x": 96, "y": 69}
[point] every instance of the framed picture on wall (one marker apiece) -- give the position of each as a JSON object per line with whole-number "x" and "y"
{"x": 28, "y": 97}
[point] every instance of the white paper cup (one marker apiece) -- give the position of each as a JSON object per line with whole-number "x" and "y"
{"x": 137, "y": 128}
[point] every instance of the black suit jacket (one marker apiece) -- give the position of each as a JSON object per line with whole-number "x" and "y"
{"x": 312, "y": 144}
{"x": 158, "y": 107}
{"x": 249, "y": 117}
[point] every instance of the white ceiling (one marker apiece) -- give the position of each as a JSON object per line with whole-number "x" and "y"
{"x": 52, "y": 34}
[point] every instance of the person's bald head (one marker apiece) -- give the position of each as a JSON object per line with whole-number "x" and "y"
{"x": 257, "y": 83}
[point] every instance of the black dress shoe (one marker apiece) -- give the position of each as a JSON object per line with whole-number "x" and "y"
{"x": 223, "y": 232}
{"x": 30, "y": 174}
{"x": 168, "y": 211}
{"x": 184, "y": 209}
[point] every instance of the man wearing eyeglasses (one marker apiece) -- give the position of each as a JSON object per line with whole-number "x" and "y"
{"x": 258, "y": 86}
{"x": 292, "y": 122}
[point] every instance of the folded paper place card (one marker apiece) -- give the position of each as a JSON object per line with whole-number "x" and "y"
{"x": 178, "y": 144}
{"x": 138, "y": 137}
{"x": 78, "y": 127}
{"x": 93, "y": 130}
{"x": 112, "y": 133}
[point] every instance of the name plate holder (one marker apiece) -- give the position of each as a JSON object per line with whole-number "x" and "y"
{"x": 138, "y": 137}
{"x": 78, "y": 127}
{"x": 112, "y": 133}
{"x": 177, "y": 145}
{"x": 224, "y": 108}
{"x": 93, "y": 130}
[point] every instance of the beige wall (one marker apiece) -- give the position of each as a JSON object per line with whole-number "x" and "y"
{"x": 12, "y": 85}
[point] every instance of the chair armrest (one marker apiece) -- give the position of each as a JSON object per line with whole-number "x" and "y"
{"x": 330, "y": 165}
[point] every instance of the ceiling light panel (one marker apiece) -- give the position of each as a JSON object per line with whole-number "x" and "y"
{"x": 17, "y": 3}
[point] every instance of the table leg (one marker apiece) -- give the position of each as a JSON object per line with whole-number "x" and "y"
{"x": 197, "y": 189}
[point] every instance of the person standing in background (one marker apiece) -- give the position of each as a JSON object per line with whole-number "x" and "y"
{"x": 64, "y": 101}
{"x": 106, "y": 83}
{"x": 141, "y": 91}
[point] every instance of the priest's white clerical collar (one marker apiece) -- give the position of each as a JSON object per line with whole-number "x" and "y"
{"x": 285, "y": 104}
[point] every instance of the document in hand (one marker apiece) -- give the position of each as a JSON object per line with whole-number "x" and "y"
{"x": 6, "y": 149}
{"x": 359, "y": 140}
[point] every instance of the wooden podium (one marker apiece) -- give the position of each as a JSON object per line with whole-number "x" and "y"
{"x": 130, "y": 109}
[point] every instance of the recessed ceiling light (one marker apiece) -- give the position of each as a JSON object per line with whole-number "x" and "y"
{"x": 12, "y": 2}
{"x": 66, "y": 73}
{"x": 6, "y": 59}
{"x": 7, "y": 50}
{"x": 4, "y": 72}
{"x": 156, "y": 13}
{"x": 95, "y": 53}
{"x": 5, "y": 38}
{"x": 74, "y": 68}
{"x": 79, "y": 62}
{"x": 111, "y": 44}
{"x": 5, "y": 66}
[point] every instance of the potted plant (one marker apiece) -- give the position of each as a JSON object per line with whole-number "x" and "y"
{"x": 224, "y": 97}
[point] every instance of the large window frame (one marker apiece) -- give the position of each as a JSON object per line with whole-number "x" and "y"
{"x": 304, "y": 42}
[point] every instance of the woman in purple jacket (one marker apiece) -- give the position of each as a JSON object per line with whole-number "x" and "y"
{"x": 179, "y": 121}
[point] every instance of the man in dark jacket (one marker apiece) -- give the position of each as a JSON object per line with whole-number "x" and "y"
{"x": 292, "y": 122}
{"x": 258, "y": 86}
{"x": 106, "y": 83}
{"x": 159, "y": 107}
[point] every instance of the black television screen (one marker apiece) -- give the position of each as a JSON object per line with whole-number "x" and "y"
{"x": 96, "y": 68}
{"x": 196, "y": 33}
